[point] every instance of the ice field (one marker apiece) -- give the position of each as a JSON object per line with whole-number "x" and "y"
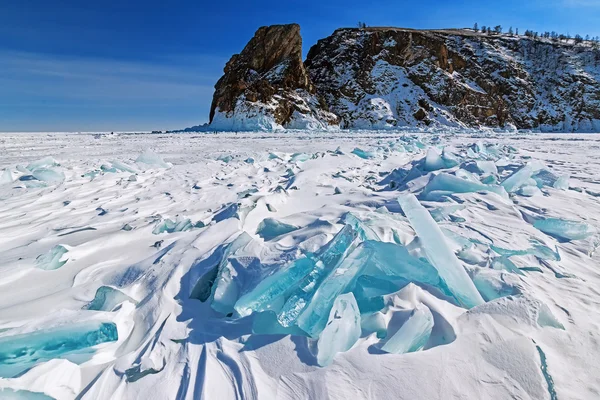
{"x": 355, "y": 265}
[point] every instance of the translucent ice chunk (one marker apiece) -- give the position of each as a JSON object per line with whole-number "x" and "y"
{"x": 270, "y": 228}
{"x": 538, "y": 250}
{"x": 170, "y": 226}
{"x": 529, "y": 191}
{"x": 107, "y": 298}
{"x": 231, "y": 211}
{"x": 121, "y": 166}
{"x": 433, "y": 161}
{"x": 10, "y": 394}
{"x": 7, "y": 177}
{"x": 274, "y": 287}
{"x": 265, "y": 323}
{"x": 363, "y": 153}
{"x": 487, "y": 167}
{"x": 327, "y": 260}
{"x": 492, "y": 285}
{"x": 48, "y": 175}
{"x": 440, "y": 214}
{"x": 342, "y": 330}
{"x": 152, "y": 160}
{"x": 20, "y": 352}
{"x": 564, "y": 229}
{"x": 52, "y": 259}
{"x": 504, "y": 263}
{"x": 521, "y": 176}
{"x": 449, "y": 184}
{"x": 300, "y": 157}
{"x": 413, "y": 334}
{"x": 450, "y": 159}
{"x": 314, "y": 317}
{"x": 439, "y": 254}
{"x": 374, "y": 323}
{"x": 562, "y": 183}
{"x": 46, "y": 162}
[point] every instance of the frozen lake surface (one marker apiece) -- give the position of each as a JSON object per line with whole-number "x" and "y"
{"x": 359, "y": 265}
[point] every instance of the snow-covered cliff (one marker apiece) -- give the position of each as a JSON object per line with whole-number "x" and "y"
{"x": 385, "y": 78}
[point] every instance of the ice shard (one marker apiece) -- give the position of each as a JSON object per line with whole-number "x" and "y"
{"x": 342, "y": 330}
{"x": 448, "y": 184}
{"x": 52, "y": 259}
{"x": 46, "y": 162}
{"x": 107, "y": 298}
{"x": 564, "y": 229}
{"x": 433, "y": 161}
{"x": 170, "y": 226}
{"x": 152, "y": 160}
{"x": 413, "y": 334}
{"x": 314, "y": 317}
{"x": 20, "y": 352}
{"x": 121, "y": 166}
{"x": 274, "y": 288}
{"x": 439, "y": 254}
{"x": 270, "y": 228}
{"x": 326, "y": 261}
{"x": 7, "y": 177}
{"x": 487, "y": 167}
{"x": 521, "y": 176}
{"x": 374, "y": 323}
{"x": 562, "y": 183}
{"x": 10, "y": 394}
{"x": 363, "y": 153}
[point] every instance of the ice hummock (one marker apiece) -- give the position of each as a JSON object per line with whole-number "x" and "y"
{"x": 270, "y": 228}
{"x": 439, "y": 253}
{"x": 565, "y": 229}
{"x": 413, "y": 334}
{"x": 20, "y": 352}
{"x": 444, "y": 184}
{"x": 150, "y": 159}
{"x": 342, "y": 330}
{"x": 53, "y": 259}
{"x": 169, "y": 226}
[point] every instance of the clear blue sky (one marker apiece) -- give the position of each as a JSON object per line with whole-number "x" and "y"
{"x": 78, "y": 65}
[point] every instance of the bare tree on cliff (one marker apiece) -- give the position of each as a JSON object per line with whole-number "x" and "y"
{"x": 476, "y": 27}
{"x": 498, "y": 29}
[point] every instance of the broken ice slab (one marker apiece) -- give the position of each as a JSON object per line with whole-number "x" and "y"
{"x": 365, "y": 232}
{"x": 520, "y": 177}
{"x": 487, "y": 167}
{"x": 564, "y": 229}
{"x": 413, "y": 334}
{"x": 46, "y": 162}
{"x": 529, "y": 191}
{"x": 450, "y": 159}
{"x": 363, "y": 153}
{"x": 433, "y": 161}
{"x": 7, "y": 177}
{"x": 48, "y": 175}
{"x": 562, "y": 183}
{"x": 369, "y": 291}
{"x": 439, "y": 254}
{"x": 170, "y": 226}
{"x": 270, "y": 228}
{"x": 226, "y": 158}
{"x": 299, "y": 157}
{"x": 342, "y": 330}
{"x": 230, "y": 211}
{"x": 121, "y": 166}
{"x": 492, "y": 284}
{"x": 20, "y": 352}
{"x": 11, "y": 394}
{"x": 440, "y": 214}
{"x": 52, "y": 259}
{"x": 265, "y": 323}
{"x": 326, "y": 261}
{"x": 107, "y": 299}
{"x": 504, "y": 263}
{"x": 448, "y": 184}
{"x": 314, "y": 316}
{"x": 152, "y": 160}
{"x": 273, "y": 289}
{"x": 374, "y": 323}
{"x": 537, "y": 250}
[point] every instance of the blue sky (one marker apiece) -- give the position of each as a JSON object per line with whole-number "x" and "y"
{"x": 73, "y": 65}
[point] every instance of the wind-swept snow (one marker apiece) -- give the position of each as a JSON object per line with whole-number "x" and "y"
{"x": 356, "y": 265}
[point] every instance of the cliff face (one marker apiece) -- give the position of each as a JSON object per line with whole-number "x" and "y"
{"x": 383, "y": 78}
{"x": 266, "y": 86}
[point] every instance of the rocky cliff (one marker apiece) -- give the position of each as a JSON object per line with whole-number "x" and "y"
{"x": 384, "y": 78}
{"x": 267, "y": 86}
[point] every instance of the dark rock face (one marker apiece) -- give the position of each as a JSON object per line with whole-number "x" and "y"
{"x": 267, "y": 81}
{"x": 383, "y": 78}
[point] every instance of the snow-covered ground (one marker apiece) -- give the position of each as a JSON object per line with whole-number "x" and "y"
{"x": 288, "y": 266}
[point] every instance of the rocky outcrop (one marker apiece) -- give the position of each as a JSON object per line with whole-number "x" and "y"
{"x": 266, "y": 86}
{"x": 386, "y": 78}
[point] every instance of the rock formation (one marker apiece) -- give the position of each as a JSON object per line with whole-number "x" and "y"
{"x": 266, "y": 86}
{"x": 386, "y": 78}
